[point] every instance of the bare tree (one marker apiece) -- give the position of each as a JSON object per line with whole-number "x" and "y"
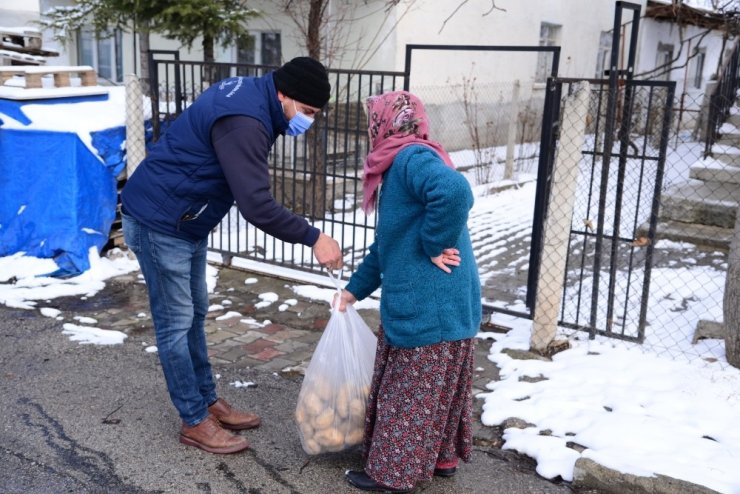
{"x": 324, "y": 27}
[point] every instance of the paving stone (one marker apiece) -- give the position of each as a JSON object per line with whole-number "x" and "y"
{"x": 266, "y": 354}
{"x": 249, "y": 337}
{"x": 273, "y": 328}
{"x": 233, "y": 354}
{"x": 279, "y": 337}
{"x": 310, "y": 337}
{"x": 258, "y": 345}
{"x": 300, "y": 356}
{"x": 221, "y": 335}
{"x": 290, "y": 346}
{"x": 275, "y": 365}
{"x": 319, "y": 323}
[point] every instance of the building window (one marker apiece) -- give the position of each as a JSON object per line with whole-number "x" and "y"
{"x": 103, "y": 52}
{"x": 549, "y": 36}
{"x": 259, "y": 48}
{"x": 603, "y": 58}
{"x": 698, "y": 63}
{"x": 664, "y": 61}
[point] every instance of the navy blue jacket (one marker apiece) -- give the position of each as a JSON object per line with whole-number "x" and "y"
{"x": 213, "y": 153}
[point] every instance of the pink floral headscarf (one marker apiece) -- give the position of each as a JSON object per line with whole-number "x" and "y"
{"x": 397, "y": 119}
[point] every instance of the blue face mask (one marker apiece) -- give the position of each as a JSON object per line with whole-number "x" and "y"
{"x": 299, "y": 124}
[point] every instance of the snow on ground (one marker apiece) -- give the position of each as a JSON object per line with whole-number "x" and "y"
{"x": 97, "y": 336}
{"x": 23, "y": 282}
{"x": 632, "y": 411}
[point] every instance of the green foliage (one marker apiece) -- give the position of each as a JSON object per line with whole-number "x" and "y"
{"x": 183, "y": 20}
{"x": 186, "y": 20}
{"x": 102, "y": 15}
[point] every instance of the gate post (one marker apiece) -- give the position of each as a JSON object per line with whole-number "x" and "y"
{"x": 135, "y": 144}
{"x": 511, "y": 137}
{"x": 558, "y": 219}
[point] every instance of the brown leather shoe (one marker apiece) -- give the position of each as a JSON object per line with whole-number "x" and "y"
{"x": 210, "y": 436}
{"x": 231, "y": 418}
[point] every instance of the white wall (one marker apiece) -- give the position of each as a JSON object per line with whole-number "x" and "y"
{"x": 582, "y": 22}
{"x": 18, "y": 13}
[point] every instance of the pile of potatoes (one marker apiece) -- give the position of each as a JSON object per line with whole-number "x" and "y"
{"x": 331, "y": 417}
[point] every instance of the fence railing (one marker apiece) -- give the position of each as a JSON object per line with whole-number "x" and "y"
{"x": 723, "y": 98}
{"x": 317, "y": 175}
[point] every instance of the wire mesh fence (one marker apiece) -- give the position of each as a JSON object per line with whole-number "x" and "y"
{"x": 647, "y": 251}
{"x": 492, "y": 128}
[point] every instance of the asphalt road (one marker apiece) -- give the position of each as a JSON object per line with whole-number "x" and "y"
{"x": 94, "y": 419}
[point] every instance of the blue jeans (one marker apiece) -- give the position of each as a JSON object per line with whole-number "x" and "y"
{"x": 175, "y": 273}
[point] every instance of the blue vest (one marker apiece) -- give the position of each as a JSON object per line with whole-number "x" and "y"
{"x": 180, "y": 188}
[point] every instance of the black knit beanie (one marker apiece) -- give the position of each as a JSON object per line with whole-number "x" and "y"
{"x": 305, "y": 80}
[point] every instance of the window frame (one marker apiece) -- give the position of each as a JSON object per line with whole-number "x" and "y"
{"x": 259, "y": 48}
{"x": 664, "y": 55}
{"x": 550, "y": 34}
{"x": 111, "y": 42}
{"x": 700, "y": 59}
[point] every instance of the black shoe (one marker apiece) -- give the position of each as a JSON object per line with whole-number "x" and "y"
{"x": 445, "y": 472}
{"x": 361, "y": 480}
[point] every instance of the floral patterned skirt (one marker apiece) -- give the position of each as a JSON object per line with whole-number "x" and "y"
{"x": 419, "y": 412}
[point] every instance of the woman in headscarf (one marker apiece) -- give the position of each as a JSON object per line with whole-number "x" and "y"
{"x": 419, "y": 412}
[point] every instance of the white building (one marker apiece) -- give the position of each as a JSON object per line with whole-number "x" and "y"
{"x": 370, "y": 35}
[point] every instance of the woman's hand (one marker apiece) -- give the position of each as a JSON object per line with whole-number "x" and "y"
{"x": 448, "y": 257}
{"x": 341, "y": 301}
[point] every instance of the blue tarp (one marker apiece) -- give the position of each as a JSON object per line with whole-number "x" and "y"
{"x": 57, "y": 198}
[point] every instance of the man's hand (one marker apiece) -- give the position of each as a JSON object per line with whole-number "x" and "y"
{"x": 340, "y": 302}
{"x": 326, "y": 251}
{"x": 448, "y": 257}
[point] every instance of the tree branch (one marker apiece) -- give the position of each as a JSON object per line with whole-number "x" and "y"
{"x": 459, "y": 6}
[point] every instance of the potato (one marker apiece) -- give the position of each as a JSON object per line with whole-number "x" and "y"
{"x": 311, "y": 447}
{"x": 307, "y": 430}
{"x": 357, "y": 408}
{"x": 323, "y": 389}
{"x": 353, "y": 438}
{"x": 330, "y": 438}
{"x": 300, "y": 415}
{"x": 357, "y": 422}
{"x": 323, "y": 420}
{"x": 312, "y": 404}
{"x": 342, "y": 404}
{"x": 345, "y": 427}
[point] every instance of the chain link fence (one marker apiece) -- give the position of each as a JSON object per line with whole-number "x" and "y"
{"x": 492, "y": 129}
{"x": 647, "y": 229}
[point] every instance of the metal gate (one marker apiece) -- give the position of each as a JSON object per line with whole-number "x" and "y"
{"x": 616, "y": 211}
{"x": 614, "y": 221}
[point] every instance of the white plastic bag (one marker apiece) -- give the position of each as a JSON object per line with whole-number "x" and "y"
{"x": 331, "y": 404}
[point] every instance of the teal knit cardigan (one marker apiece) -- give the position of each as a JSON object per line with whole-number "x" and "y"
{"x": 423, "y": 209}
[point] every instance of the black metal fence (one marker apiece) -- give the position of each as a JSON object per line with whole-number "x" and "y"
{"x": 616, "y": 209}
{"x": 723, "y": 97}
{"x": 317, "y": 175}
